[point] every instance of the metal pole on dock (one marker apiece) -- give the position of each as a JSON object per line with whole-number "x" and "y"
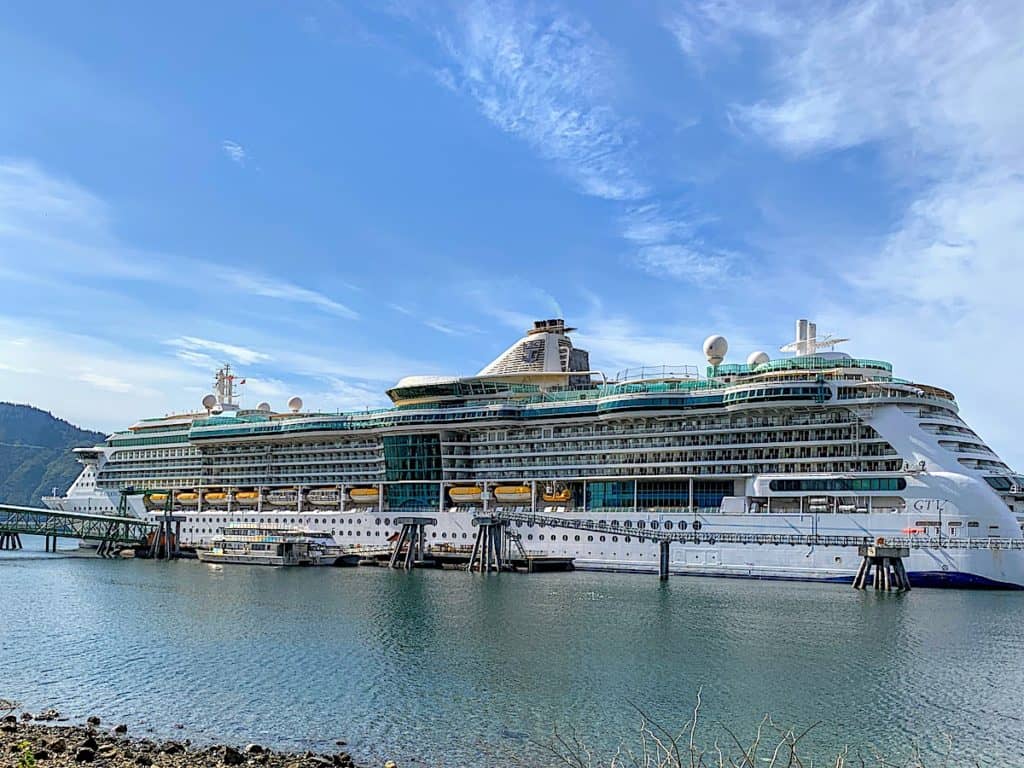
{"x": 663, "y": 560}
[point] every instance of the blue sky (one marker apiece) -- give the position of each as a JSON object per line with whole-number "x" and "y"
{"x": 332, "y": 195}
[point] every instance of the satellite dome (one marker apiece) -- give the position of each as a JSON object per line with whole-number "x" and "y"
{"x": 265, "y": 407}
{"x": 715, "y": 348}
{"x": 757, "y": 358}
{"x": 295, "y": 404}
{"x": 209, "y": 401}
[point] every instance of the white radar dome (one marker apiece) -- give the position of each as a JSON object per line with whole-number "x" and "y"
{"x": 295, "y": 404}
{"x": 715, "y": 348}
{"x": 209, "y": 401}
{"x": 265, "y": 407}
{"x": 757, "y": 358}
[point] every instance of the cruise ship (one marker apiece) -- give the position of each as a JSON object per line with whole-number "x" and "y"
{"x": 814, "y": 441}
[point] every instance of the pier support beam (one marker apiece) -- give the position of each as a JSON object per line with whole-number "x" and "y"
{"x": 887, "y": 564}
{"x": 413, "y": 537}
{"x": 489, "y": 548}
{"x": 663, "y": 553}
{"x": 10, "y": 541}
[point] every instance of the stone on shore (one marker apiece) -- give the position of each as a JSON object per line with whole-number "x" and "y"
{"x": 84, "y": 755}
{"x": 93, "y": 720}
{"x": 121, "y": 728}
{"x": 232, "y": 756}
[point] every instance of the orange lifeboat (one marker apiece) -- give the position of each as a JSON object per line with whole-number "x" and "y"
{"x": 364, "y": 495}
{"x": 466, "y": 494}
{"x": 513, "y": 494}
{"x": 557, "y": 494}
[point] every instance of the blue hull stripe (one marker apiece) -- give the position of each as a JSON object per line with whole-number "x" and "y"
{"x": 925, "y": 579}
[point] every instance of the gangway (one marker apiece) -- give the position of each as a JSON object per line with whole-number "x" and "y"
{"x": 108, "y": 530}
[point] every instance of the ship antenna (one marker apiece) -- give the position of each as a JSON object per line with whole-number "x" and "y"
{"x": 808, "y": 342}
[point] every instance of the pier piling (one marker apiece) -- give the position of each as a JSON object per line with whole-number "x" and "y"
{"x": 663, "y": 560}
{"x": 887, "y": 564}
{"x": 414, "y": 537}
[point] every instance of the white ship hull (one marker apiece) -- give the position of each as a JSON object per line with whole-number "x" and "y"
{"x": 936, "y": 566}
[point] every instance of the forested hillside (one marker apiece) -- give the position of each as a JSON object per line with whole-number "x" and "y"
{"x": 35, "y": 453}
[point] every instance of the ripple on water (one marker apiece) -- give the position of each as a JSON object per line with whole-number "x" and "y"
{"x": 442, "y": 666}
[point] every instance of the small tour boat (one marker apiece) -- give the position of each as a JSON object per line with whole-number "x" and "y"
{"x": 253, "y": 544}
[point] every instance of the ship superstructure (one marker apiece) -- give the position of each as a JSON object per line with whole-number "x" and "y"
{"x": 820, "y": 442}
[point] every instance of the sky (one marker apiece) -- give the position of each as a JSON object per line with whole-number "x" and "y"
{"x": 333, "y": 195}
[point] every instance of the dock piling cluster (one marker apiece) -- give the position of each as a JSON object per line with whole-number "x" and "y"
{"x": 885, "y": 563}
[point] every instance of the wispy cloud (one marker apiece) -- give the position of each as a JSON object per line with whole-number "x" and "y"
{"x": 275, "y": 288}
{"x": 192, "y": 348}
{"x": 103, "y": 381}
{"x": 933, "y": 87}
{"x": 546, "y": 78}
{"x": 235, "y": 152}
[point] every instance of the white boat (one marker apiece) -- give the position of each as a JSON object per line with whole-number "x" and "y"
{"x": 250, "y": 544}
{"x": 814, "y": 442}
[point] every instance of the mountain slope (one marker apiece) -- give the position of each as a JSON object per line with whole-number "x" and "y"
{"x": 35, "y": 453}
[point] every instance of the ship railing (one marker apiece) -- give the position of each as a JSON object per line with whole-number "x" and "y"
{"x": 776, "y": 539}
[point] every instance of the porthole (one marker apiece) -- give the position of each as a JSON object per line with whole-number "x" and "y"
{"x": 615, "y": 538}
{"x": 577, "y": 537}
{"x": 682, "y": 525}
{"x": 529, "y": 536}
{"x": 590, "y": 538}
{"x": 668, "y": 525}
{"x": 696, "y": 525}
{"x": 654, "y": 525}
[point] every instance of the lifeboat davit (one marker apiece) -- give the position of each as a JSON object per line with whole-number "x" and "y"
{"x": 364, "y": 495}
{"x": 465, "y": 494}
{"x": 247, "y": 498}
{"x": 283, "y": 497}
{"x": 324, "y": 497}
{"x": 216, "y": 498}
{"x": 557, "y": 494}
{"x": 187, "y": 497}
{"x": 513, "y": 494}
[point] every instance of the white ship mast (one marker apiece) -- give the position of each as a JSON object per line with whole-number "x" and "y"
{"x": 223, "y": 396}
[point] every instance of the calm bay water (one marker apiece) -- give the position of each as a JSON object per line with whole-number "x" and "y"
{"x": 439, "y": 667}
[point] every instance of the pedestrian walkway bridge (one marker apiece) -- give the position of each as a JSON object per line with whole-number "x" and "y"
{"x": 16, "y": 521}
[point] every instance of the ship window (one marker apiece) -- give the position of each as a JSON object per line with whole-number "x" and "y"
{"x": 590, "y": 538}
{"x": 602, "y": 538}
{"x": 972, "y": 523}
{"x": 999, "y": 483}
{"x": 530, "y": 536}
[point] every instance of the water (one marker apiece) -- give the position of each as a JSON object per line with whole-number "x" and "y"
{"x": 440, "y": 667}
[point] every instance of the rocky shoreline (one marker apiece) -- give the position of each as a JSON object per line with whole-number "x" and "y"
{"x": 43, "y": 741}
